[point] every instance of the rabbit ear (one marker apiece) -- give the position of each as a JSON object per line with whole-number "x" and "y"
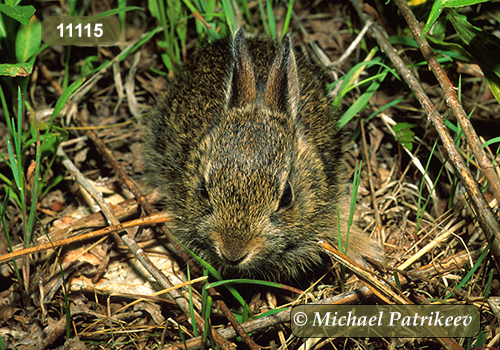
{"x": 242, "y": 88}
{"x": 282, "y": 88}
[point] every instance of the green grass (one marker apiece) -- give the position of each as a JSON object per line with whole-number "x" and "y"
{"x": 37, "y": 142}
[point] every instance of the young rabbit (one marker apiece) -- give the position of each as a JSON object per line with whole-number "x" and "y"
{"x": 245, "y": 148}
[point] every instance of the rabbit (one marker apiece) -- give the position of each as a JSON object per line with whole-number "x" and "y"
{"x": 245, "y": 148}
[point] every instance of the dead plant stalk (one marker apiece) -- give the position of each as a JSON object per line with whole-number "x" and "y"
{"x": 485, "y": 217}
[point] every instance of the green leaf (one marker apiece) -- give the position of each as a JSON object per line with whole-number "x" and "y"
{"x": 87, "y": 66}
{"x": 288, "y": 16}
{"x": 16, "y": 70}
{"x": 119, "y": 10}
{"x": 494, "y": 83}
{"x": 271, "y": 19}
{"x": 440, "y": 5}
{"x": 353, "y": 74}
{"x": 34, "y": 196}
{"x": 50, "y": 144}
{"x": 28, "y": 40}
{"x": 13, "y": 166}
{"x": 153, "y": 9}
{"x": 271, "y": 312}
{"x": 246, "y": 281}
{"x": 450, "y": 49}
{"x": 227, "y": 6}
{"x": 21, "y": 14}
{"x": 482, "y": 46}
{"x": 360, "y": 102}
{"x": 491, "y": 141}
{"x": 404, "y": 134}
{"x": 51, "y": 185}
{"x": 61, "y": 102}
{"x": 403, "y": 40}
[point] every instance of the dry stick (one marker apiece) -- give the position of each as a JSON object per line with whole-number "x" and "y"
{"x": 106, "y": 153}
{"x": 134, "y": 247}
{"x": 380, "y": 286}
{"x": 147, "y": 220}
{"x": 486, "y": 219}
{"x": 130, "y": 243}
{"x": 454, "y": 262}
{"x": 380, "y": 35}
{"x": 77, "y": 96}
{"x": 353, "y": 46}
{"x": 452, "y": 99}
{"x": 372, "y": 188}
{"x": 82, "y": 90}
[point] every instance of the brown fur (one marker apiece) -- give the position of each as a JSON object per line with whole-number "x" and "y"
{"x": 246, "y": 126}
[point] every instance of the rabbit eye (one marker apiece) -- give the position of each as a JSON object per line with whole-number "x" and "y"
{"x": 286, "y": 198}
{"x": 203, "y": 191}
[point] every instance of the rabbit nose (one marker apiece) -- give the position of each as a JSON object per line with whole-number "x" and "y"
{"x": 233, "y": 251}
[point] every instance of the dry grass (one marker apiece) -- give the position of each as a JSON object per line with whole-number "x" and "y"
{"x": 434, "y": 247}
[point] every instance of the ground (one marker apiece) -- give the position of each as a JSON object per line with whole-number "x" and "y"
{"x": 426, "y": 224}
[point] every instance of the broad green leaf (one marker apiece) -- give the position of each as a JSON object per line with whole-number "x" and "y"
{"x": 440, "y": 5}
{"x": 153, "y": 9}
{"x": 16, "y": 70}
{"x": 51, "y": 143}
{"x": 483, "y": 47}
{"x": 210, "y": 10}
{"x": 494, "y": 83}
{"x": 404, "y": 134}
{"x": 450, "y": 49}
{"x": 466, "y": 31}
{"x": 28, "y": 40}
{"x": 21, "y": 14}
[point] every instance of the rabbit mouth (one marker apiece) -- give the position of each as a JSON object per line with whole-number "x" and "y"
{"x": 234, "y": 256}
{"x": 233, "y": 262}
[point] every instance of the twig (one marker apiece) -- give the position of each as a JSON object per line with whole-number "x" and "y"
{"x": 486, "y": 219}
{"x": 381, "y": 287}
{"x": 444, "y": 234}
{"x": 416, "y": 162}
{"x": 452, "y": 99}
{"x": 182, "y": 303}
{"x": 283, "y": 316}
{"x": 340, "y": 62}
{"x": 456, "y": 261}
{"x": 372, "y": 189}
{"x": 148, "y": 220}
{"x": 134, "y": 247}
